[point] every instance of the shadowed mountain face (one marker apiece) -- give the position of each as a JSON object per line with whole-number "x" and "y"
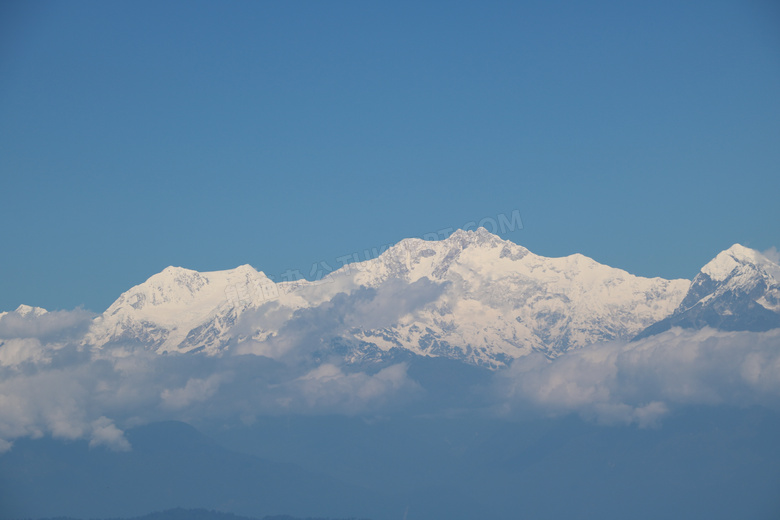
{"x": 739, "y": 290}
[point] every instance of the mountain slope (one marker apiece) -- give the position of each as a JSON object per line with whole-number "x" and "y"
{"x": 501, "y": 301}
{"x": 738, "y": 290}
{"x": 172, "y": 307}
{"x": 472, "y": 297}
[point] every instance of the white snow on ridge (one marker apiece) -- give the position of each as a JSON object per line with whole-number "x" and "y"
{"x": 504, "y": 300}
{"x": 483, "y": 300}
{"x": 166, "y": 307}
{"x": 743, "y": 270}
{"x": 737, "y": 255}
{"x": 26, "y": 310}
{"x": 497, "y": 301}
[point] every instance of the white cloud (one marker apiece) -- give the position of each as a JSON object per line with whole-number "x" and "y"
{"x": 309, "y": 329}
{"x": 195, "y": 391}
{"x": 773, "y": 254}
{"x": 328, "y": 388}
{"x": 50, "y": 326}
{"x": 16, "y": 351}
{"x": 392, "y": 300}
{"x": 34, "y": 338}
{"x": 105, "y": 433}
{"x": 639, "y": 382}
{"x": 47, "y": 402}
{"x": 58, "y": 388}
{"x": 93, "y": 396}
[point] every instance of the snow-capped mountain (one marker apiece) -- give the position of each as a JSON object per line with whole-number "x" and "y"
{"x": 178, "y": 310}
{"x": 738, "y": 290}
{"x": 501, "y": 301}
{"x": 472, "y": 297}
{"x": 24, "y": 311}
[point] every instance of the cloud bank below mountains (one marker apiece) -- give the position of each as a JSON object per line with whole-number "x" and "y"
{"x": 52, "y": 385}
{"x": 639, "y": 382}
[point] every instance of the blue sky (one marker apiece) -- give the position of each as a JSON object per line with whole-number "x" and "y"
{"x": 137, "y": 135}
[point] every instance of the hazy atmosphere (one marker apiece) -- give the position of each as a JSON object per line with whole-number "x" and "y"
{"x": 390, "y": 260}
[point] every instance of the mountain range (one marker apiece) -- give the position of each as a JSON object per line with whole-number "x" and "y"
{"x": 461, "y": 378}
{"x": 471, "y": 297}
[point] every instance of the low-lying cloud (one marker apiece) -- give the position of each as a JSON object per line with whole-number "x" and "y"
{"x": 639, "y": 382}
{"x": 52, "y": 384}
{"x": 310, "y": 329}
{"x": 72, "y": 394}
{"x": 47, "y": 327}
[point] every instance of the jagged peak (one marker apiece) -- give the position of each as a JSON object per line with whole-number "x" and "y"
{"x": 481, "y": 237}
{"x": 179, "y": 288}
{"x": 174, "y": 272}
{"x": 245, "y": 271}
{"x": 171, "y": 274}
{"x": 720, "y": 267}
{"x": 745, "y": 254}
{"x": 462, "y": 239}
{"x": 473, "y": 234}
{"x": 27, "y": 310}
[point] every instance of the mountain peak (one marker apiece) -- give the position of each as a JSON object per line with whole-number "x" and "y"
{"x": 479, "y": 236}
{"x": 720, "y": 267}
{"x": 27, "y": 310}
{"x": 173, "y": 270}
{"x": 480, "y": 232}
{"x": 737, "y": 290}
{"x": 740, "y": 250}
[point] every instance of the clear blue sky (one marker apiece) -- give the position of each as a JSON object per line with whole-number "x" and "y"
{"x": 137, "y": 135}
